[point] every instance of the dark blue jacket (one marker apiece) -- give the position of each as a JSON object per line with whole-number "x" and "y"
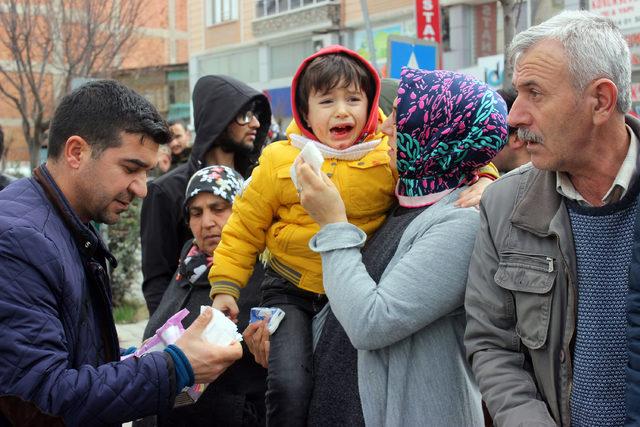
{"x": 58, "y": 347}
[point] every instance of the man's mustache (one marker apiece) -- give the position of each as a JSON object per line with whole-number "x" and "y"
{"x": 526, "y": 135}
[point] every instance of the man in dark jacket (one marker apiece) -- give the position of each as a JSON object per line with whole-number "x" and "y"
{"x": 231, "y": 123}
{"x": 59, "y": 353}
{"x": 552, "y": 327}
{"x": 4, "y": 179}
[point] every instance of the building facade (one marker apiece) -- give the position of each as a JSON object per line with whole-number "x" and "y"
{"x": 262, "y": 42}
{"x": 155, "y": 65}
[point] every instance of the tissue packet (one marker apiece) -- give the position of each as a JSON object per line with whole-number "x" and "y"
{"x": 272, "y": 314}
{"x": 312, "y": 156}
{"x": 220, "y": 330}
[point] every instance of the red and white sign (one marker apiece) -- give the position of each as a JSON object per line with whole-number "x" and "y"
{"x": 624, "y": 13}
{"x": 428, "y": 20}
{"x": 633, "y": 40}
{"x": 485, "y": 31}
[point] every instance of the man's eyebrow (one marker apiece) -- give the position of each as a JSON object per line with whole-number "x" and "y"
{"x": 137, "y": 162}
{"x": 528, "y": 83}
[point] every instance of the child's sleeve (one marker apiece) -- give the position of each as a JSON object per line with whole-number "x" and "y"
{"x": 489, "y": 171}
{"x": 244, "y": 235}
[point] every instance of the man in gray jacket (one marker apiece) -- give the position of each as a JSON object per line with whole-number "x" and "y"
{"x": 548, "y": 280}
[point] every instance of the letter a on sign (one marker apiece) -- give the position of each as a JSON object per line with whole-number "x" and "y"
{"x": 428, "y": 20}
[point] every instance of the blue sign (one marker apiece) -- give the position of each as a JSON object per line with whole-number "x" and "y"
{"x": 280, "y": 100}
{"x": 411, "y": 52}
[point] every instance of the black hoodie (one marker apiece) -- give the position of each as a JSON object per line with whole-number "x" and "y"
{"x": 163, "y": 230}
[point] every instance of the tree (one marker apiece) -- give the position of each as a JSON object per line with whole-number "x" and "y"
{"x": 51, "y": 43}
{"x": 509, "y": 25}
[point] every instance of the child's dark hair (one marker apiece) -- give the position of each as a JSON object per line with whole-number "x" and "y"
{"x": 327, "y": 72}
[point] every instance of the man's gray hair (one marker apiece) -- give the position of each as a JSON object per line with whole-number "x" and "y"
{"x": 594, "y": 49}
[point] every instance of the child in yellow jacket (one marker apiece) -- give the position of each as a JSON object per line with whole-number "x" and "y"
{"x": 335, "y": 107}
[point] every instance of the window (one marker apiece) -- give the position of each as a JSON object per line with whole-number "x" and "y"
{"x": 275, "y": 7}
{"x": 241, "y": 64}
{"x": 285, "y": 59}
{"x": 221, "y": 11}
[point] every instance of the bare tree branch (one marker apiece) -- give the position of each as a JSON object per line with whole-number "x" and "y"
{"x": 53, "y": 42}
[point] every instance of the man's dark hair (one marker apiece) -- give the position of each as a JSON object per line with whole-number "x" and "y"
{"x": 326, "y": 72}
{"x": 177, "y": 122}
{"x": 99, "y": 111}
{"x": 509, "y": 96}
{"x": 1, "y": 143}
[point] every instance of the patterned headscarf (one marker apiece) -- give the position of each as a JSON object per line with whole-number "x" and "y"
{"x": 218, "y": 180}
{"x": 448, "y": 126}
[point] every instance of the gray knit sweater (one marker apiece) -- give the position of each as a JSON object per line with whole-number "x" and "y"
{"x": 408, "y": 328}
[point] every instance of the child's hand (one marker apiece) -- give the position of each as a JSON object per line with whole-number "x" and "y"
{"x": 471, "y": 196}
{"x": 319, "y": 196}
{"x": 226, "y": 304}
{"x": 256, "y": 336}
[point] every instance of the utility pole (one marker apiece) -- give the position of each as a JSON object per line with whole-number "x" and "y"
{"x": 509, "y": 32}
{"x": 367, "y": 26}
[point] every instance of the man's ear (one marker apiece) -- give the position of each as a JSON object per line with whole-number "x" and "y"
{"x": 76, "y": 151}
{"x": 604, "y": 95}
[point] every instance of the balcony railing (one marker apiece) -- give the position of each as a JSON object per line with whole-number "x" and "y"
{"x": 276, "y": 7}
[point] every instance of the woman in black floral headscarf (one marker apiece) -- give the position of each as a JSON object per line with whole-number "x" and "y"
{"x": 236, "y": 398}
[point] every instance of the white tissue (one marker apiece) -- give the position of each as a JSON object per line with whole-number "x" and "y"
{"x": 220, "y": 330}
{"x": 312, "y": 156}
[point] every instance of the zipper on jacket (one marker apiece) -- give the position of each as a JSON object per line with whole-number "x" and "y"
{"x": 538, "y": 260}
{"x": 568, "y": 354}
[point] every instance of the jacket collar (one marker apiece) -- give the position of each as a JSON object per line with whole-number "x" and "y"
{"x": 540, "y": 204}
{"x": 86, "y": 237}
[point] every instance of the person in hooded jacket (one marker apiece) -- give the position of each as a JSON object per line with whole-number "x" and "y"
{"x": 231, "y": 123}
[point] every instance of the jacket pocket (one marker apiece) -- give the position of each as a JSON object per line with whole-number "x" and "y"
{"x": 287, "y": 191}
{"x": 370, "y": 185}
{"x": 530, "y": 279}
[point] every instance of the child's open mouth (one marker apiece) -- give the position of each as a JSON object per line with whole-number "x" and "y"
{"x": 341, "y": 131}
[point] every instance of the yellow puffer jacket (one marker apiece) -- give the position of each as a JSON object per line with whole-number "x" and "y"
{"x": 269, "y": 213}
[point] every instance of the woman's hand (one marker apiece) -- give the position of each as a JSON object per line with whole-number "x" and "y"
{"x": 319, "y": 196}
{"x": 471, "y": 196}
{"x": 256, "y": 336}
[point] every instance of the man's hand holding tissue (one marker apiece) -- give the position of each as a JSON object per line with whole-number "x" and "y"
{"x": 226, "y": 304}
{"x": 207, "y": 360}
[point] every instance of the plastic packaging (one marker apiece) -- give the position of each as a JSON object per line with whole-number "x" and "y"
{"x": 272, "y": 314}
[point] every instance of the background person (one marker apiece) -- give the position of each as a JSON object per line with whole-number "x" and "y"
{"x": 179, "y": 145}
{"x": 231, "y": 123}
{"x": 164, "y": 159}
{"x": 4, "y": 178}
{"x": 515, "y": 153}
{"x": 59, "y": 353}
{"x": 398, "y": 302}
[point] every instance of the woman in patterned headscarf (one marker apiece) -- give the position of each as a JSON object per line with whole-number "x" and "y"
{"x": 400, "y": 298}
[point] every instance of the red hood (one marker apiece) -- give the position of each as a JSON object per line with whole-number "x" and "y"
{"x": 372, "y": 123}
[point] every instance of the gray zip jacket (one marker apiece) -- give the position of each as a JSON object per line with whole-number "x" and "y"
{"x": 408, "y": 327}
{"x": 521, "y": 300}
